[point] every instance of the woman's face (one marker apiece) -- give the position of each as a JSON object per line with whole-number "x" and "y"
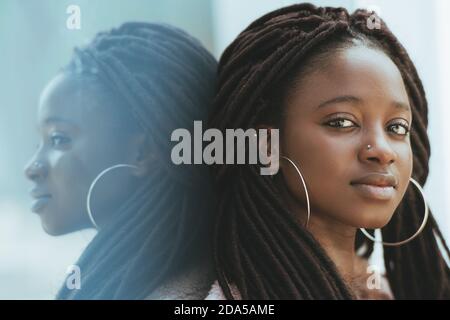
{"x": 356, "y": 99}
{"x": 78, "y": 140}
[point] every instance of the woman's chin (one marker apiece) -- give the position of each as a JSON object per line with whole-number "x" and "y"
{"x": 52, "y": 230}
{"x": 377, "y": 222}
{"x": 56, "y": 227}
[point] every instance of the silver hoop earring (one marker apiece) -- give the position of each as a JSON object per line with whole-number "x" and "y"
{"x": 422, "y": 226}
{"x": 101, "y": 174}
{"x": 304, "y": 187}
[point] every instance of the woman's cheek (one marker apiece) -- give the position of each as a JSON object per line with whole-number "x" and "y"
{"x": 328, "y": 157}
{"x": 405, "y": 169}
{"x": 61, "y": 162}
{"x": 54, "y": 157}
{"x": 67, "y": 170}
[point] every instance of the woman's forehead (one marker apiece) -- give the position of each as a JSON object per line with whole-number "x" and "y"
{"x": 68, "y": 97}
{"x": 362, "y": 72}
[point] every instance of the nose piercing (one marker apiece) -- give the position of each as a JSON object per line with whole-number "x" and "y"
{"x": 369, "y": 147}
{"x": 37, "y": 165}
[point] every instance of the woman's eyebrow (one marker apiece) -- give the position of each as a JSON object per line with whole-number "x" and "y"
{"x": 401, "y": 105}
{"x": 340, "y": 99}
{"x": 59, "y": 121}
{"x": 356, "y": 100}
{"x": 51, "y": 120}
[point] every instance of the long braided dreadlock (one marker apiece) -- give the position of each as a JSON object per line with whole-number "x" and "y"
{"x": 163, "y": 79}
{"x": 258, "y": 244}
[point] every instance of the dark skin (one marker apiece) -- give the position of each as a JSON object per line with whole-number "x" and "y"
{"x": 80, "y": 136}
{"x": 326, "y": 135}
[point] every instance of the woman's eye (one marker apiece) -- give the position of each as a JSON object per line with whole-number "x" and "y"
{"x": 341, "y": 123}
{"x": 58, "y": 140}
{"x": 399, "y": 129}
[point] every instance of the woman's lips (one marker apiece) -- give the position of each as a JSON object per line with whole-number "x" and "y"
{"x": 40, "y": 203}
{"x": 375, "y": 192}
{"x": 376, "y": 185}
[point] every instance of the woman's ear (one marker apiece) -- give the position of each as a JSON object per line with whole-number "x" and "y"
{"x": 142, "y": 155}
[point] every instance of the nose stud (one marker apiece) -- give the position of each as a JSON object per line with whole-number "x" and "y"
{"x": 37, "y": 165}
{"x": 369, "y": 147}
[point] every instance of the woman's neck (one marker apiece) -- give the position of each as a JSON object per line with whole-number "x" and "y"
{"x": 338, "y": 240}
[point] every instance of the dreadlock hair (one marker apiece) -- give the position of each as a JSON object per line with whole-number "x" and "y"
{"x": 162, "y": 79}
{"x": 259, "y": 245}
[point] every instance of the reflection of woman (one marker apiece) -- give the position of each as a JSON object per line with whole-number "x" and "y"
{"x": 352, "y": 116}
{"x": 105, "y": 123}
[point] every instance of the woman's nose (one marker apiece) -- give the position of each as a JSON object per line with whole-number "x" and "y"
{"x": 378, "y": 150}
{"x": 35, "y": 170}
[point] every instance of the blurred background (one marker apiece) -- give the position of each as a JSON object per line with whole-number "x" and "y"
{"x": 35, "y": 42}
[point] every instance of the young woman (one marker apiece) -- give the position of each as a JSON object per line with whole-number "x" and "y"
{"x": 352, "y": 118}
{"x": 103, "y": 161}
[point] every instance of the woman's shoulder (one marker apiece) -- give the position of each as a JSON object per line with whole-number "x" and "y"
{"x": 193, "y": 283}
{"x": 216, "y": 292}
{"x": 359, "y": 284}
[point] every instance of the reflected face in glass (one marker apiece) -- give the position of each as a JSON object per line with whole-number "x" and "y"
{"x": 357, "y": 98}
{"x": 80, "y": 134}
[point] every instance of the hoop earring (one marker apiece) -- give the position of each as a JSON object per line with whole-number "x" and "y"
{"x": 91, "y": 187}
{"x": 422, "y": 226}
{"x": 304, "y": 187}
